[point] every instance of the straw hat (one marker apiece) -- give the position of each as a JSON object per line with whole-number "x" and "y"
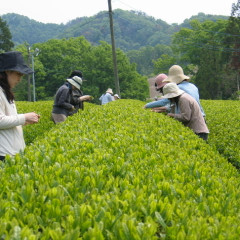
{"x": 109, "y": 90}
{"x": 176, "y": 75}
{"x": 171, "y": 90}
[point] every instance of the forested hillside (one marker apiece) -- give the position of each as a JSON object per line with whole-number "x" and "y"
{"x": 27, "y": 30}
{"x": 206, "y": 46}
{"x": 133, "y": 30}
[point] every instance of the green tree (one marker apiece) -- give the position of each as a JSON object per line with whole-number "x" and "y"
{"x": 202, "y": 46}
{"x": 132, "y": 84}
{"x": 232, "y": 43}
{"x": 58, "y": 58}
{"x": 6, "y": 43}
{"x": 162, "y": 64}
{"x": 146, "y": 56}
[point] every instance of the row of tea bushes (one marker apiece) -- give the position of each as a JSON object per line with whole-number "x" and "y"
{"x": 223, "y": 119}
{"x": 119, "y": 172}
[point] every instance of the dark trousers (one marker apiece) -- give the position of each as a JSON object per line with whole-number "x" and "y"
{"x": 2, "y": 158}
{"x": 204, "y": 136}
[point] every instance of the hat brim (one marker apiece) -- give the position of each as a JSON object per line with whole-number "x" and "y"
{"x": 173, "y": 95}
{"x": 161, "y": 85}
{"x": 176, "y": 79}
{"x": 24, "y": 69}
{"x": 78, "y": 86}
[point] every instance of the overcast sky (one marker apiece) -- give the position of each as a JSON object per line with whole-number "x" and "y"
{"x": 61, "y": 11}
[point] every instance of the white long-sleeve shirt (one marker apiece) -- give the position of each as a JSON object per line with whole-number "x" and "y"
{"x": 11, "y": 133}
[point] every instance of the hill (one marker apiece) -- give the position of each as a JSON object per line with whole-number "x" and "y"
{"x": 133, "y": 30}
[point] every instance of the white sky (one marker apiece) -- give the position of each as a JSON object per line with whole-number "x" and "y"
{"x": 61, "y": 11}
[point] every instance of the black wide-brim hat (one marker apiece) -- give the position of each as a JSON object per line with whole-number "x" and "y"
{"x": 13, "y": 61}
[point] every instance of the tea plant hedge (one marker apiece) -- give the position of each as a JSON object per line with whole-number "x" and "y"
{"x": 223, "y": 119}
{"x": 43, "y": 108}
{"x": 119, "y": 172}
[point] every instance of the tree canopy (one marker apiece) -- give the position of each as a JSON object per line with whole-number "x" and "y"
{"x": 58, "y": 58}
{"x": 6, "y": 43}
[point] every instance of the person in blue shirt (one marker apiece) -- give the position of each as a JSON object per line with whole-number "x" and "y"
{"x": 176, "y": 75}
{"x": 106, "y": 97}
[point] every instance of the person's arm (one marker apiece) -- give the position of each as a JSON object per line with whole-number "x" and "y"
{"x": 160, "y": 103}
{"x": 11, "y": 121}
{"x": 76, "y": 97}
{"x": 85, "y": 98}
{"x": 63, "y": 96}
{"x": 7, "y": 122}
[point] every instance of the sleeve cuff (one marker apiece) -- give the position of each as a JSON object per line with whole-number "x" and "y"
{"x": 22, "y": 119}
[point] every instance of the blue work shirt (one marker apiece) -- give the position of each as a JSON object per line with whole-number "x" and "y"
{"x": 106, "y": 98}
{"x": 164, "y": 102}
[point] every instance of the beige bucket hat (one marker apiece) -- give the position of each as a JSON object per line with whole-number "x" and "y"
{"x": 109, "y": 90}
{"x": 176, "y": 75}
{"x": 75, "y": 81}
{"x": 171, "y": 90}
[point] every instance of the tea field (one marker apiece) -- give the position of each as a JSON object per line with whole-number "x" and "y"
{"x": 119, "y": 171}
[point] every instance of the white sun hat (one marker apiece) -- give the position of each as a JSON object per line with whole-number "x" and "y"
{"x": 75, "y": 81}
{"x": 171, "y": 90}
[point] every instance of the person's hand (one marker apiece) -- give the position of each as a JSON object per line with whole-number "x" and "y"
{"x": 85, "y": 98}
{"x": 170, "y": 114}
{"x": 31, "y": 118}
{"x": 73, "y": 108}
{"x": 159, "y": 109}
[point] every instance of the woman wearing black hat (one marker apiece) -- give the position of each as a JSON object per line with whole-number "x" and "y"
{"x": 12, "y": 68}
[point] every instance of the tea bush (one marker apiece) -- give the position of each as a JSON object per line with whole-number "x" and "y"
{"x": 119, "y": 172}
{"x": 223, "y": 119}
{"x": 43, "y": 108}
